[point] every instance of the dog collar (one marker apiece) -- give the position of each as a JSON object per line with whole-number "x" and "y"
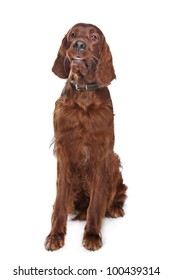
{"x": 84, "y": 87}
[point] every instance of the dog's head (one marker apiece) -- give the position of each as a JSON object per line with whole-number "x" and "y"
{"x": 84, "y": 53}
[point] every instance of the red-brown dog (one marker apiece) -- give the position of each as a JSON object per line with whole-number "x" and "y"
{"x": 89, "y": 181}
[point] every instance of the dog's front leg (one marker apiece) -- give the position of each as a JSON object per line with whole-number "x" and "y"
{"x": 55, "y": 239}
{"x": 96, "y": 211}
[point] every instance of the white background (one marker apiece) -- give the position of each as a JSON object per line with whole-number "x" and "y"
{"x": 140, "y": 37}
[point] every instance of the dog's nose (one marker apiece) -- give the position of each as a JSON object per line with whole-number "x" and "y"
{"x": 79, "y": 46}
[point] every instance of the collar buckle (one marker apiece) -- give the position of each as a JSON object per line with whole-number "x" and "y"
{"x": 77, "y": 87}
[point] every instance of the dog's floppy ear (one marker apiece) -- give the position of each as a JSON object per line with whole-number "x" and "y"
{"x": 61, "y": 65}
{"x": 105, "y": 71}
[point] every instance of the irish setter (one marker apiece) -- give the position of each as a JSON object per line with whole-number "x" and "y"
{"x": 89, "y": 180}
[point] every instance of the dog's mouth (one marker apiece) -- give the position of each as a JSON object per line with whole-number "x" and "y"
{"x": 79, "y": 61}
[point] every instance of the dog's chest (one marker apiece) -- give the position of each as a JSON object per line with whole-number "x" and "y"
{"x": 82, "y": 128}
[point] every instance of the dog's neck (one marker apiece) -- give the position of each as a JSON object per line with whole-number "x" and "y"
{"x": 85, "y": 87}
{"x": 83, "y": 82}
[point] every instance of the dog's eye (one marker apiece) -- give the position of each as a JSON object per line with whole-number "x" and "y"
{"x": 93, "y": 37}
{"x": 73, "y": 34}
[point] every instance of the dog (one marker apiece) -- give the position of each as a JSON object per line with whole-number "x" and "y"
{"x": 89, "y": 179}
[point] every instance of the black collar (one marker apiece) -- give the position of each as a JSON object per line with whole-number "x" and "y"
{"x": 89, "y": 87}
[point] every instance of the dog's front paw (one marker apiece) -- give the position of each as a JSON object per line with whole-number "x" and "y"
{"x": 54, "y": 241}
{"x": 92, "y": 241}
